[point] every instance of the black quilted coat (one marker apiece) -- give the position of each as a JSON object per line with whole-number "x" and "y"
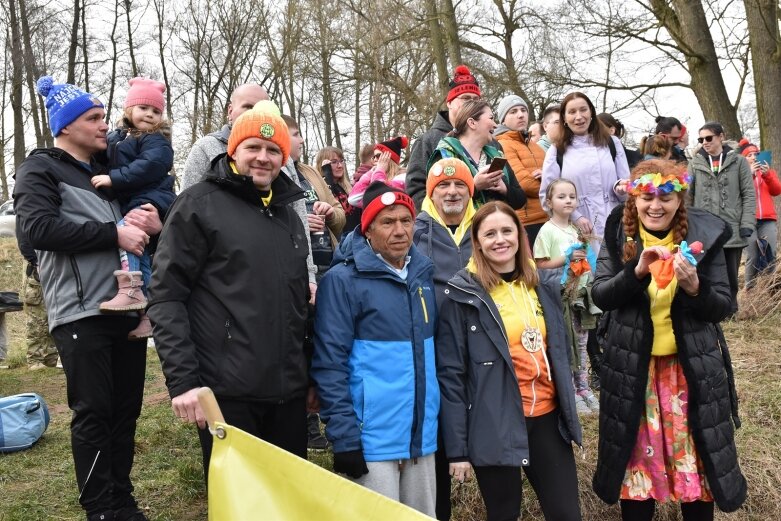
{"x": 701, "y": 350}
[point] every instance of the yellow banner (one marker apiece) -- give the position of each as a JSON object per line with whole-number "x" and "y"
{"x": 250, "y": 479}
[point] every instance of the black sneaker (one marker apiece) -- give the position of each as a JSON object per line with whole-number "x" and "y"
{"x": 129, "y": 513}
{"x": 318, "y": 442}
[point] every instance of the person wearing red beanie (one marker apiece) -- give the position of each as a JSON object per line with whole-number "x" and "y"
{"x": 385, "y": 160}
{"x": 463, "y": 87}
{"x": 374, "y": 354}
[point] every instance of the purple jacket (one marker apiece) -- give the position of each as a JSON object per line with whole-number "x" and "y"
{"x": 595, "y": 175}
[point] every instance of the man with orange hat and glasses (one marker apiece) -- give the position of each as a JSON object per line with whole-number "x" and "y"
{"x": 442, "y": 233}
{"x": 374, "y": 354}
{"x": 229, "y": 290}
{"x": 463, "y": 88}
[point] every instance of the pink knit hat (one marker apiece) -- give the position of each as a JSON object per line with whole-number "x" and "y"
{"x": 144, "y": 91}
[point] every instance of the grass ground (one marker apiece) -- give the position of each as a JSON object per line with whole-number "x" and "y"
{"x": 39, "y": 483}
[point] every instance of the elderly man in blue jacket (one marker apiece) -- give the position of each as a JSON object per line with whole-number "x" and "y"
{"x": 374, "y": 354}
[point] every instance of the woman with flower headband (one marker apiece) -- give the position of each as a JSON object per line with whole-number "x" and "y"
{"x": 667, "y": 401}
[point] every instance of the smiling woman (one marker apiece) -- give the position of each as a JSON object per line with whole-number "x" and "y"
{"x": 471, "y": 142}
{"x": 592, "y": 159}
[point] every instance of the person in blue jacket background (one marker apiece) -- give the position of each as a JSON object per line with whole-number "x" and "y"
{"x": 374, "y": 361}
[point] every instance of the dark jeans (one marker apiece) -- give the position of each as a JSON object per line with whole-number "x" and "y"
{"x": 551, "y": 473}
{"x": 283, "y": 425}
{"x": 732, "y": 257}
{"x": 644, "y": 510}
{"x": 104, "y": 373}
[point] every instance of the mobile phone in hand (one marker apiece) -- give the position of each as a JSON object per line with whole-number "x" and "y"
{"x": 497, "y": 164}
{"x": 328, "y": 174}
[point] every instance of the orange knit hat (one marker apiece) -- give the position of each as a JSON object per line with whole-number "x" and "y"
{"x": 448, "y": 169}
{"x": 263, "y": 121}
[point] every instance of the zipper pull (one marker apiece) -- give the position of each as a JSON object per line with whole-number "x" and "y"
{"x": 228, "y": 328}
{"x": 293, "y": 240}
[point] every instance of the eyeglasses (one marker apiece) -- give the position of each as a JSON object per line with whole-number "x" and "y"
{"x": 707, "y": 139}
{"x": 337, "y": 161}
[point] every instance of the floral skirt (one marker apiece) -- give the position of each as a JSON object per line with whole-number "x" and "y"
{"x": 664, "y": 464}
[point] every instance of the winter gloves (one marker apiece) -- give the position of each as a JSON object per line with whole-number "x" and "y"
{"x": 350, "y": 463}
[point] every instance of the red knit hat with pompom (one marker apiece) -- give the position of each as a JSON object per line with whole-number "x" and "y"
{"x": 746, "y": 147}
{"x": 394, "y": 146}
{"x": 463, "y": 82}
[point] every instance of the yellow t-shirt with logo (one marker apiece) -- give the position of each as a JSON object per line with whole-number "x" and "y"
{"x": 661, "y": 301}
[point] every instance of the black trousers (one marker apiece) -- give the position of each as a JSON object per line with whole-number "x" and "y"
{"x": 644, "y": 510}
{"x": 551, "y": 473}
{"x": 283, "y": 425}
{"x": 732, "y": 257}
{"x": 443, "y": 507}
{"x": 104, "y": 373}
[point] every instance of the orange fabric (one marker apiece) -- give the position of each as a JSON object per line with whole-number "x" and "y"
{"x": 262, "y": 121}
{"x": 535, "y": 383}
{"x": 579, "y": 267}
{"x": 525, "y": 158}
{"x": 662, "y": 271}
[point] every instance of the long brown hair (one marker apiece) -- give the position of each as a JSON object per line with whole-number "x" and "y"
{"x": 331, "y": 153}
{"x": 680, "y": 224}
{"x": 600, "y": 135}
{"x": 486, "y": 275}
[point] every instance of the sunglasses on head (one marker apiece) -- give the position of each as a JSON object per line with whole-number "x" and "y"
{"x": 706, "y": 139}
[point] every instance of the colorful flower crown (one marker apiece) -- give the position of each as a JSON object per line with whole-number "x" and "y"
{"x": 658, "y": 184}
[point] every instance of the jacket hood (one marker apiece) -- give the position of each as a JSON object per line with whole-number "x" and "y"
{"x": 442, "y": 122}
{"x": 283, "y": 190}
{"x": 429, "y": 212}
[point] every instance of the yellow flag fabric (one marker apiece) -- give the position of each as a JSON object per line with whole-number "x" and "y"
{"x": 250, "y": 479}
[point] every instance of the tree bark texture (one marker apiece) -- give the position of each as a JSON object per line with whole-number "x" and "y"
{"x": 762, "y": 17}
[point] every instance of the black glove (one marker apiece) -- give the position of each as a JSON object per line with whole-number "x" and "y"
{"x": 350, "y": 463}
{"x": 745, "y": 233}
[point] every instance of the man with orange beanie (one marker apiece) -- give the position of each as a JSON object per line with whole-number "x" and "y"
{"x": 443, "y": 234}
{"x": 229, "y": 290}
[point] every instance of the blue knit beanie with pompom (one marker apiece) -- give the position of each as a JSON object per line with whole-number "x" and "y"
{"x": 64, "y": 102}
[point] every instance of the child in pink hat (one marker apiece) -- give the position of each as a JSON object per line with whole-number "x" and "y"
{"x": 140, "y": 158}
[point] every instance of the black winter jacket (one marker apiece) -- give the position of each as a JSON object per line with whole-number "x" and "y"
{"x": 138, "y": 167}
{"x": 701, "y": 351}
{"x": 481, "y": 411}
{"x": 229, "y": 290}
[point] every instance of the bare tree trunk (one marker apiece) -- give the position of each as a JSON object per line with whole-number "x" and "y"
{"x": 113, "y": 39}
{"x": 84, "y": 53}
{"x": 32, "y": 74}
{"x": 762, "y": 17}
{"x": 160, "y": 11}
{"x": 437, "y": 45}
{"x": 17, "y": 80}
{"x": 448, "y": 15}
{"x": 133, "y": 66}
{"x": 687, "y": 24}
{"x": 3, "y": 140}
{"x": 74, "y": 42}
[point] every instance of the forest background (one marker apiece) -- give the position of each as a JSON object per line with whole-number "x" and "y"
{"x": 359, "y": 71}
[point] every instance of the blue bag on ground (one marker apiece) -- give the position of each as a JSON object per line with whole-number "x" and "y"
{"x": 23, "y": 420}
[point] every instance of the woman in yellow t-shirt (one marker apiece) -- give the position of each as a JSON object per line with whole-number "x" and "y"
{"x": 507, "y": 400}
{"x": 667, "y": 401}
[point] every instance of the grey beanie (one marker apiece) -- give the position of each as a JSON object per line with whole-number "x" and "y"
{"x": 508, "y": 102}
